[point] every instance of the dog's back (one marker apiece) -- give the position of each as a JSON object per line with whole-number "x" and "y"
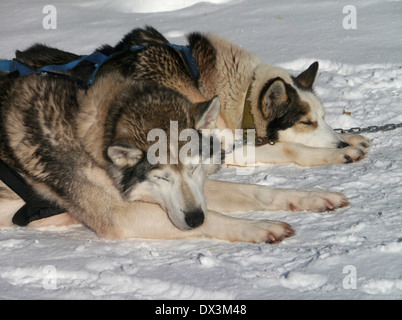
{"x": 137, "y": 37}
{"x": 157, "y": 62}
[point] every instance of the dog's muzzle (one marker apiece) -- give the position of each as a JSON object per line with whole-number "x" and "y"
{"x": 194, "y": 218}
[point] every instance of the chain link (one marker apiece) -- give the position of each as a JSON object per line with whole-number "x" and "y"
{"x": 370, "y": 129}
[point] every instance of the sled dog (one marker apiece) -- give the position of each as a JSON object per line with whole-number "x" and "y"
{"x": 283, "y": 109}
{"x": 85, "y": 151}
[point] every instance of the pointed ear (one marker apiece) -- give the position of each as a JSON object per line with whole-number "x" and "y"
{"x": 306, "y": 78}
{"x": 274, "y": 97}
{"x": 206, "y": 113}
{"x": 124, "y": 154}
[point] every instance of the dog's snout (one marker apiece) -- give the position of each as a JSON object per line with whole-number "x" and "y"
{"x": 343, "y": 144}
{"x": 194, "y": 218}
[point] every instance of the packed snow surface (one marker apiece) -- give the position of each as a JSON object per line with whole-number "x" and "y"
{"x": 353, "y": 253}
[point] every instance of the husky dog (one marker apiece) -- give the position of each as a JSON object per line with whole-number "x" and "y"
{"x": 86, "y": 152}
{"x": 286, "y": 114}
{"x": 77, "y": 144}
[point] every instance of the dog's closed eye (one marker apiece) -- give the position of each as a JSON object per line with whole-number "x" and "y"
{"x": 309, "y": 123}
{"x": 161, "y": 178}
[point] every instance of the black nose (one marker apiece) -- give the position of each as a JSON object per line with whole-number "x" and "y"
{"x": 343, "y": 144}
{"x": 194, "y": 218}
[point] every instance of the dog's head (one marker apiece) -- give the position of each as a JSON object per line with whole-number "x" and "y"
{"x": 285, "y": 108}
{"x": 155, "y": 155}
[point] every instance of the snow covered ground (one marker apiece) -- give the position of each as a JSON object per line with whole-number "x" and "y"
{"x": 354, "y": 253}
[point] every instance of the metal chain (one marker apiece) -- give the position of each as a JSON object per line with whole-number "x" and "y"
{"x": 370, "y": 129}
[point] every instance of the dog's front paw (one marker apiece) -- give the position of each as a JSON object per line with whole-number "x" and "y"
{"x": 317, "y": 200}
{"x": 356, "y": 140}
{"x": 267, "y": 231}
{"x": 347, "y": 155}
{"x": 276, "y": 231}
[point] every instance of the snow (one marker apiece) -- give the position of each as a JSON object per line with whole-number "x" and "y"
{"x": 353, "y": 253}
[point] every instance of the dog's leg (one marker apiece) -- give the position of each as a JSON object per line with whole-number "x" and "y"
{"x": 149, "y": 221}
{"x": 8, "y": 207}
{"x": 145, "y": 220}
{"x": 111, "y": 218}
{"x": 229, "y": 197}
{"x": 10, "y": 203}
{"x": 289, "y": 152}
{"x": 62, "y": 219}
{"x": 356, "y": 140}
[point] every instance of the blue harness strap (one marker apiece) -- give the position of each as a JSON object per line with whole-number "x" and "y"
{"x": 98, "y": 59}
{"x": 101, "y": 59}
{"x": 188, "y": 57}
{"x": 12, "y": 65}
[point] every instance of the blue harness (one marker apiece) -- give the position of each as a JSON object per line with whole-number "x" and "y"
{"x": 98, "y": 59}
{"x": 37, "y": 208}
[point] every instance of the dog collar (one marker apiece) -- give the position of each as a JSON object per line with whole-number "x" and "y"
{"x": 248, "y": 120}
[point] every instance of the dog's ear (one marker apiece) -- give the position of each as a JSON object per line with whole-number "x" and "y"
{"x": 124, "y": 154}
{"x": 306, "y": 78}
{"x": 275, "y": 96}
{"x": 206, "y": 114}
